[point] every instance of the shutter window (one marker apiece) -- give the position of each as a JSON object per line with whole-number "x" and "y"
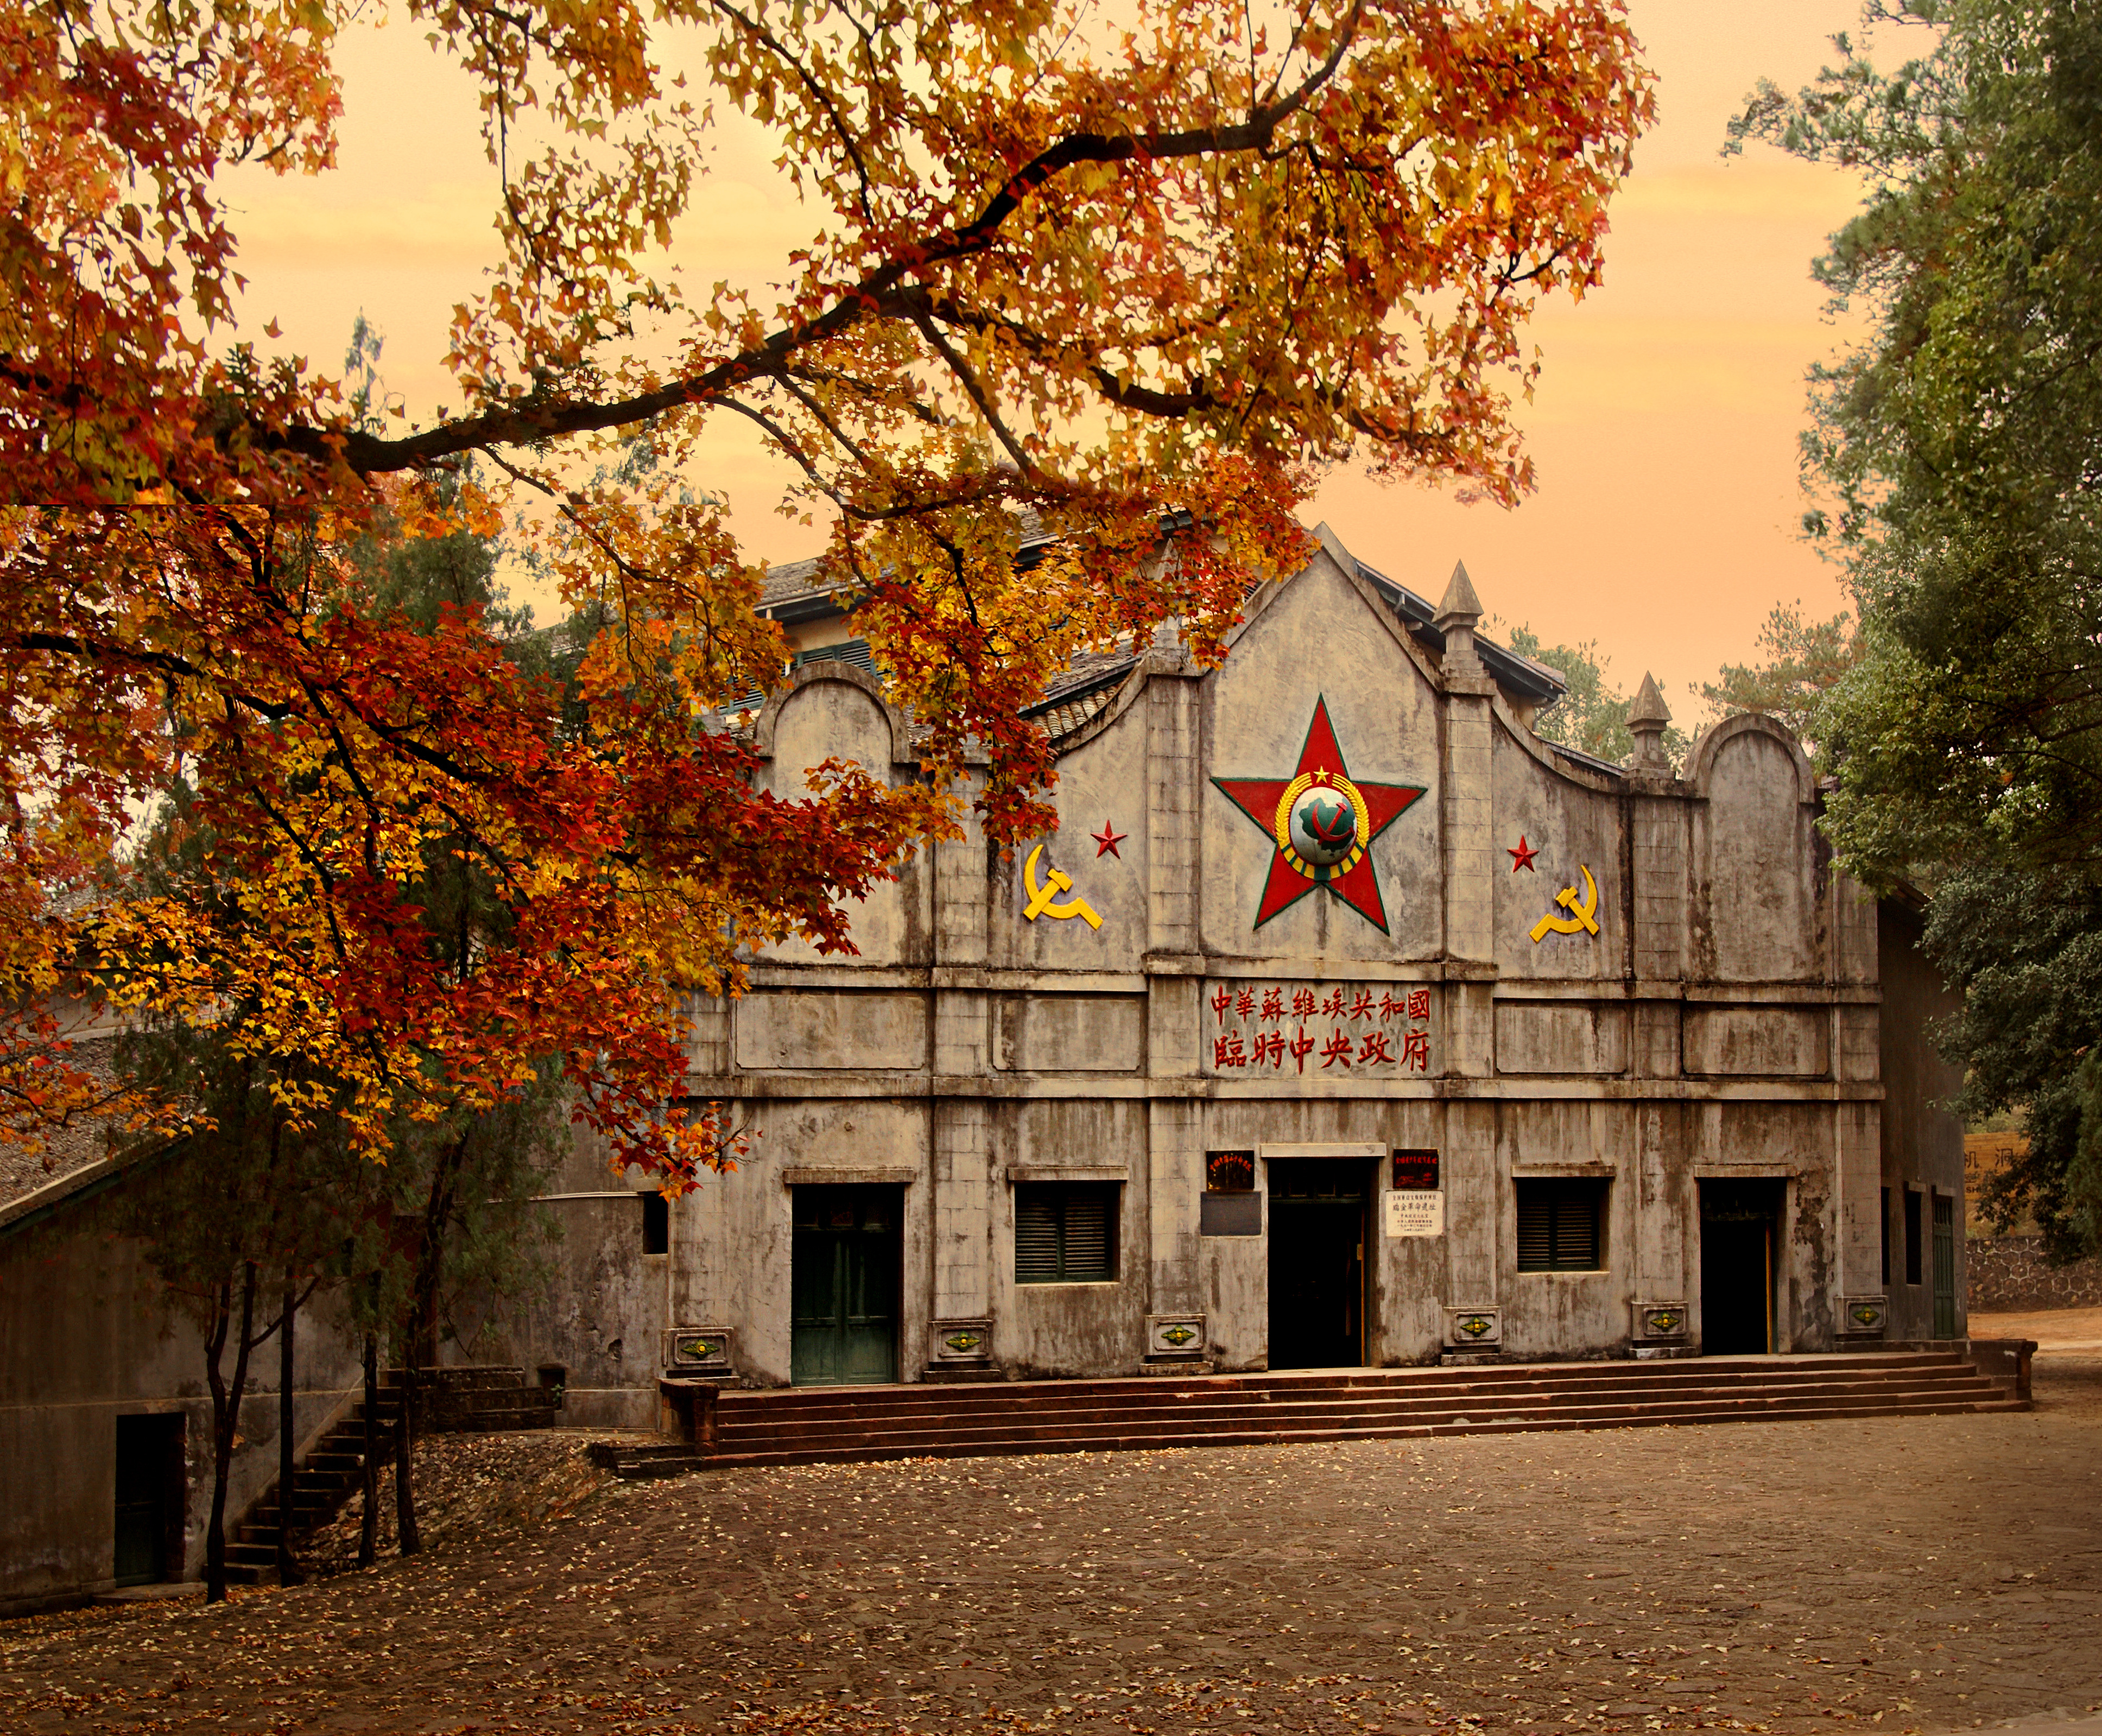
{"x": 1035, "y": 1237}
{"x": 1561, "y": 1224}
{"x": 1536, "y": 1230}
{"x": 1065, "y": 1232}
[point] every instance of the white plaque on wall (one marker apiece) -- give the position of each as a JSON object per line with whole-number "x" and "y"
{"x": 1415, "y": 1212}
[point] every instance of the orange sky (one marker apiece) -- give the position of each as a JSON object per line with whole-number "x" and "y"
{"x": 1664, "y": 428}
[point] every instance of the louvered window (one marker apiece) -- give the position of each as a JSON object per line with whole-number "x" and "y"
{"x": 854, "y": 652}
{"x": 1561, "y": 1225}
{"x": 1065, "y": 1232}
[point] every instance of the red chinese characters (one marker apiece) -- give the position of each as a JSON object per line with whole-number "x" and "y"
{"x": 1279, "y": 1028}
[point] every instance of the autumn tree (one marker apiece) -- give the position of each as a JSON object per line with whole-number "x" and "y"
{"x": 451, "y": 1209}
{"x": 1955, "y": 451}
{"x": 1117, "y": 271}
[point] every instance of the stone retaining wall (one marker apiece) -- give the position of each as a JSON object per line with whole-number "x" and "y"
{"x": 2008, "y": 1275}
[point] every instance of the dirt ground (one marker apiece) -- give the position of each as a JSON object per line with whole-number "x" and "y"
{"x": 2057, "y": 1331}
{"x": 1926, "y": 1573}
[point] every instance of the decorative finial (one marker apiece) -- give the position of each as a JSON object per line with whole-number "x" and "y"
{"x": 1460, "y": 603}
{"x": 1456, "y": 618}
{"x": 1647, "y": 714}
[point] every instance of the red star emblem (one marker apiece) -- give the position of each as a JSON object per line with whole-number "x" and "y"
{"x": 1271, "y": 803}
{"x": 1108, "y": 839}
{"x": 1522, "y": 856}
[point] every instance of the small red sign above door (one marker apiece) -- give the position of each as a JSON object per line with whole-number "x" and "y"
{"x": 1415, "y": 1172}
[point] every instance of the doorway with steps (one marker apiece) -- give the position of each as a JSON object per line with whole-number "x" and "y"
{"x": 1740, "y": 1219}
{"x": 843, "y": 1284}
{"x": 1318, "y": 1212}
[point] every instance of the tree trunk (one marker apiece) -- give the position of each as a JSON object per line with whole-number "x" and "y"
{"x": 368, "y": 1529}
{"x": 406, "y": 1538}
{"x": 226, "y": 1397}
{"x": 419, "y": 1331}
{"x": 288, "y": 1465}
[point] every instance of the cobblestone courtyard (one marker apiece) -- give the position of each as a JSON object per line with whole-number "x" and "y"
{"x": 1913, "y": 1575}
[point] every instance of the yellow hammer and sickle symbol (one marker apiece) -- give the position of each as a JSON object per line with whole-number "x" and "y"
{"x": 1055, "y": 882}
{"x": 1581, "y": 911}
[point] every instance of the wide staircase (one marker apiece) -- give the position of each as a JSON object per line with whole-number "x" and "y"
{"x": 477, "y": 1399}
{"x": 810, "y": 1424}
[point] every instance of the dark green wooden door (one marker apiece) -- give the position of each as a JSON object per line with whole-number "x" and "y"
{"x": 1317, "y": 1256}
{"x": 844, "y": 1286}
{"x": 1944, "y": 1266}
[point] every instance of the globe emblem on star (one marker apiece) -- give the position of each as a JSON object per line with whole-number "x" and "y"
{"x": 1323, "y": 826}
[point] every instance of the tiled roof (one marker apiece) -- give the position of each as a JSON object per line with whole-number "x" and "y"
{"x": 1090, "y": 682}
{"x": 794, "y": 578}
{"x": 78, "y": 1145}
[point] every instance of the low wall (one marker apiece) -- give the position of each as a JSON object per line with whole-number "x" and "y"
{"x": 2008, "y": 1275}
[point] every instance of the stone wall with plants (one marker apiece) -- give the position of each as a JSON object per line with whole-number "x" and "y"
{"x": 2008, "y": 1274}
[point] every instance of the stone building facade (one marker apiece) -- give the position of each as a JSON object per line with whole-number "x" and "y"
{"x": 1344, "y": 1020}
{"x": 105, "y": 1415}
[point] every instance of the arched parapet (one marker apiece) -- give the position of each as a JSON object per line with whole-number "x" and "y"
{"x": 830, "y": 710}
{"x": 1701, "y": 764}
{"x": 885, "y": 726}
{"x": 1759, "y": 890}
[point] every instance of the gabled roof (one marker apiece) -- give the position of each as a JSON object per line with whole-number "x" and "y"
{"x": 801, "y": 590}
{"x": 1529, "y": 682}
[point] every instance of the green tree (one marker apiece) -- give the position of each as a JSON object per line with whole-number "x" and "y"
{"x": 1592, "y": 717}
{"x": 1804, "y": 660}
{"x": 242, "y": 1219}
{"x": 451, "y": 1214}
{"x": 1955, "y": 454}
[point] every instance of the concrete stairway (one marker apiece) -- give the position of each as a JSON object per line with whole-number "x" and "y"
{"x": 475, "y": 1400}
{"x": 328, "y": 1476}
{"x": 807, "y": 1424}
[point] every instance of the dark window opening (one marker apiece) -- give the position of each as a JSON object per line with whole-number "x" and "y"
{"x": 1065, "y": 1232}
{"x": 1944, "y": 1266}
{"x": 1886, "y": 1238}
{"x": 1561, "y": 1224}
{"x": 854, "y": 652}
{"x": 1229, "y": 1172}
{"x": 656, "y": 1224}
{"x": 1912, "y": 1235}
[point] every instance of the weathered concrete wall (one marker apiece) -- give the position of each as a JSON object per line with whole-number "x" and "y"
{"x": 87, "y": 1335}
{"x": 1702, "y": 1002}
{"x": 833, "y": 711}
{"x": 1922, "y": 1146}
{"x": 1324, "y": 638}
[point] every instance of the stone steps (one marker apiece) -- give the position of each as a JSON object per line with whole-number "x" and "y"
{"x": 841, "y": 1424}
{"x": 1697, "y": 1372}
{"x": 1079, "y": 1425}
{"x": 328, "y": 1476}
{"x": 458, "y": 1400}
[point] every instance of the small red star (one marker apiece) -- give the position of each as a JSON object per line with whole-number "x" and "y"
{"x": 1522, "y": 856}
{"x": 1107, "y": 839}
